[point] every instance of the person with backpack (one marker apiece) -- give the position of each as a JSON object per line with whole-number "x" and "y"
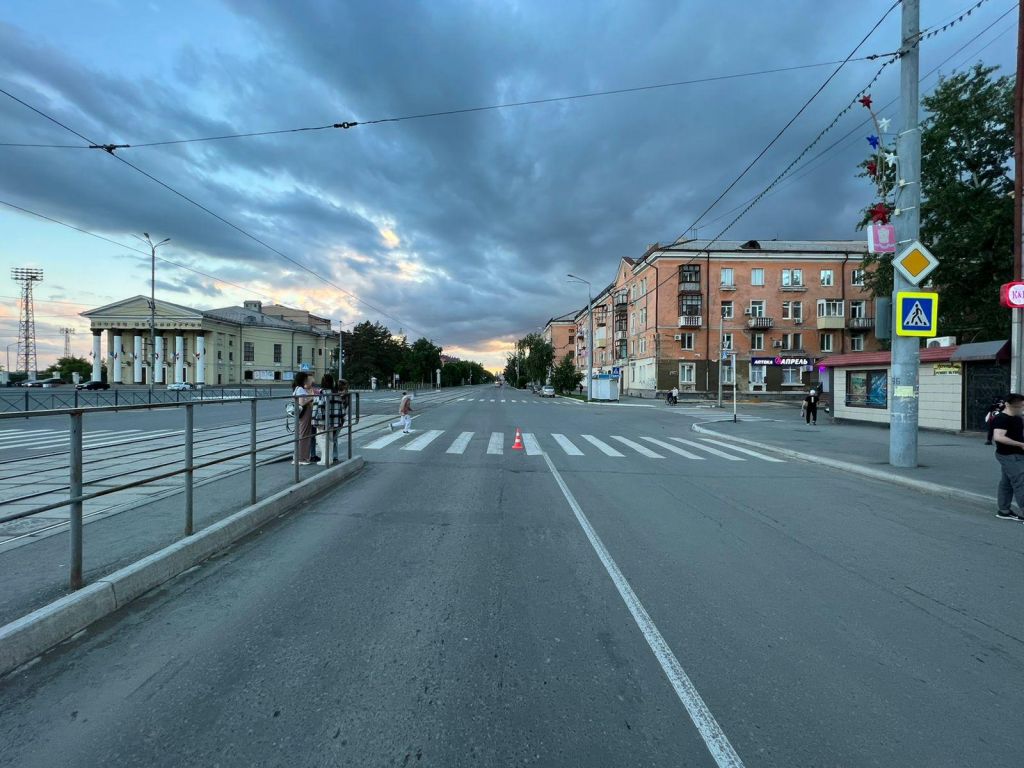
{"x": 404, "y": 419}
{"x": 990, "y": 416}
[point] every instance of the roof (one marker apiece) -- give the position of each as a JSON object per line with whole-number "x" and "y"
{"x": 769, "y": 246}
{"x": 983, "y": 350}
{"x": 928, "y": 355}
{"x": 252, "y": 317}
{"x": 566, "y": 318}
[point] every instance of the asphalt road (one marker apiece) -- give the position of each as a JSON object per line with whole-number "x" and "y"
{"x": 561, "y": 605}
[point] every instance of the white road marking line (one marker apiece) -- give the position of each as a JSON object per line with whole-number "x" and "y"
{"x": 532, "y": 446}
{"x": 492, "y": 399}
{"x": 459, "y": 446}
{"x": 423, "y": 440}
{"x": 503, "y": 401}
{"x": 709, "y": 449}
{"x": 642, "y": 450}
{"x": 496, "y": 444}
{"x": 673, "y": 449}
{"x": 606, "y": 449}
{"x": 714, "y": 737}
{"x": 567, "y": 445}
{"x": 383, "y": 442}
{"x": 747, "y": 451}
{"x": 459, "y": 399}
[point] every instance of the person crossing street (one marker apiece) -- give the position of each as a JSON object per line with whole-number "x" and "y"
{"x": 404, "y": 417}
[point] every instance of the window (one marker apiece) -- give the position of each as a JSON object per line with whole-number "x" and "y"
{"x": 220, "y": 355}
{"x": 321, "y": 351}
{"x": 791, "y": 374}
{"x": 757, "y": 342}
{"x": 757, "y": 374}
{"x": 757, "y": 276}
{"x": 643, "y": 345}
{"x": 632, "y": 323}
{"x": 687, "y": 373}
{"x": 689, "y": 305}
{"x": 830, "y": 308}
{"x": 689, "y": 277}
{"x": 298, "y": 355}
{"x": 867, "y": 389}
{"x": 757, "y": 308}
{"x": 621, "y": 350}
{"x": 728, "y": 374}
{"x": 248, "y": 351}
{"x": 792, "y": 341}
{"x": 643, "y": 318}
{"x": 727, "y": 310}
{"x": 687, "y": 341}
{"x": 858, "y": 277}
{"x": 792, "y": 278}
{"x": 727, "y": 277}
{"x": 726, "y": 341}
{"x": 792, "y": 310}
{"x": 231, "y": 342}
{"x": 231, "y": 356}
{"x": 643, "y": 287}
{"x": 858, "y": 309}
{"x": 857, "y": 342}
{"x": 825, "y": 342}
{"x": 277, "y": 353}
{"x": 827, "y": 278}
{"x": 631, "y": 347}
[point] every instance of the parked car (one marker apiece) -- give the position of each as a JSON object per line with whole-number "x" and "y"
{"x": 181, "y": 386}
{"x": 56, "y": 381}
{"x": 32, "y": 383}
{"x": 92, "y": 385}
{"x": 547, "y": 391}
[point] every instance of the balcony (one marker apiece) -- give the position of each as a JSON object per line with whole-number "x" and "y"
{"x": 760, "y": 322}
{"x": 620, "y": 335}
{"x": 861, "y": 323}
{"x": 690, "y": 321}
{"x": 600, "y": 339}
{"x": 727, "y": 287}
{"x": 621, "y": 300}
{"x": 689, "y": 287}
{"x": 799, "y": 287}
{"x": 831, "y": 323}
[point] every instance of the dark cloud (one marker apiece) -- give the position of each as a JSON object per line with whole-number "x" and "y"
{"x": 490, "y": 210}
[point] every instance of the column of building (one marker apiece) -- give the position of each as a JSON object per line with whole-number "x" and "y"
{"x": 201, "y": 359}
{"x": 137, "y": 358}
{"x": 97, "y": 356}
{"x": 158, "y": 360}
{"x": 115, "y": 358}
{"x": 179, "y": 359}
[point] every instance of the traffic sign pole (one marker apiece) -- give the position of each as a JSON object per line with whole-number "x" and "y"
{"x": 903, "y": 403}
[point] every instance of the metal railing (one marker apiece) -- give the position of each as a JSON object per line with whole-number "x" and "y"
{"x": 341, "y": 411}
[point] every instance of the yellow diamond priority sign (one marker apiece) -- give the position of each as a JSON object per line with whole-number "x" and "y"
{"x": 915, "y": 263}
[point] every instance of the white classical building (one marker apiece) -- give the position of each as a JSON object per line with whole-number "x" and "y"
{"x": 251, "y": 343}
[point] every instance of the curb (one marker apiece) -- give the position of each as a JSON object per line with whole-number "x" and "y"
{"x": 25, "y": 638}
{"x": 944, "y": 491}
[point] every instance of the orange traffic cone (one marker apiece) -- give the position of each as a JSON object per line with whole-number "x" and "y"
{"x": 518, "y": 444}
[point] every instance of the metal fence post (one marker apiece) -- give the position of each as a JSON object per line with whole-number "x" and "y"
{"x": 75, "y": 513}
{"x": 188, "y": 468}
{"x": 298, "y": 430}
{"x": 350, "y": 427}
{"x": 252, "y": 448}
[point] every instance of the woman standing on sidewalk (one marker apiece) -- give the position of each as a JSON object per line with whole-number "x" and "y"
{"x": 304, "y": 402}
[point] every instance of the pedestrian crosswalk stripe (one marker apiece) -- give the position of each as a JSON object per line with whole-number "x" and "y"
{"x": 459, "y": 399}
{"x": 606, "y": 449}
{"x": 459, "y": 446}
{"x": 532, "y": 446}
{"x": 673, "y": 449}
{"x": 496, "y": 444}
{"x": 567, "y": 445}
{"x": 503, "y": 400}
{"x": 383, "y": 442}
{"x": 421, "y": 442}
{"x": 642, "y": 450}
{"x": 747, "y": 451}
{"x": 710, "y": 450}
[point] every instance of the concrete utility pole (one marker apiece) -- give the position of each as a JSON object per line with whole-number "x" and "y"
{"x": 721, "y": 350}
{"x": 590, "y": 338}
{"x": 903, "y": 402}
{"x": 1017, "y": 338}
{"x": 152, "y": 302}
{"x": 341, "y": 351}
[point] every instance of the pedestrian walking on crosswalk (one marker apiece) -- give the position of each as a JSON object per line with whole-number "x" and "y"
{"x": 404, "y": 419}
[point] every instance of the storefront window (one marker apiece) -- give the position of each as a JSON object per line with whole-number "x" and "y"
{"x": 867, "y": 389}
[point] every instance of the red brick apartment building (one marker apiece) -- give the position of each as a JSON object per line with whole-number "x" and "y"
{"x": 776, "y": 308}
{"x": 560, "y": 333}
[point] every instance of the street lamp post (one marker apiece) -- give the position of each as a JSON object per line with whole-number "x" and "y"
{"x": 152, "y": 303}
{"x": 14, "y": 344}
{"x": 590, "y": 337}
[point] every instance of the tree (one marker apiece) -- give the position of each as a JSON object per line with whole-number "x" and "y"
{"x": 421, "y": 360}
{"x": 66, "y": 366}
{"x": 372, "y": 351}
{"x": 565, "y": 377}
{"x": 967, "y": 206}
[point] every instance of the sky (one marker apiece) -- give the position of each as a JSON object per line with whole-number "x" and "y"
{"x": 461, "y": 228}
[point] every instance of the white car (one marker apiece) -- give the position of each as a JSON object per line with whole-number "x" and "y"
{"x": 547, "y": 391}
{"x": 181, "y": 386}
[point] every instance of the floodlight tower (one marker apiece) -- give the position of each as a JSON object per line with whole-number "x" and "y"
{"x": 26, "y": 359}
{"x": 67, "y": 333}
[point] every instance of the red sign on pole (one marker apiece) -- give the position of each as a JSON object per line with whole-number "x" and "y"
{"x": 1012, "y": 295}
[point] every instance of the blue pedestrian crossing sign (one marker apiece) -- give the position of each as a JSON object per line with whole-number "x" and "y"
{"x": 917, "y": 314}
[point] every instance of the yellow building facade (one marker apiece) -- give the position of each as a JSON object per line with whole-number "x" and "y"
{"x": 233, "y": 345}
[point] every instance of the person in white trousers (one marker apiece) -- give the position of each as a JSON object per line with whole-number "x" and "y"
{"x": 404, "y": 419}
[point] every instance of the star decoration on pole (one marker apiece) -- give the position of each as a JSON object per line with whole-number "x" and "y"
{"x": 873, "y": 141}
{"x": 872, "y": 167}
{"x": 865, "y": 100}
{"x": 883, "y": 124}
{"x": 879, "y": 213}
{"x": 890, "y": 158}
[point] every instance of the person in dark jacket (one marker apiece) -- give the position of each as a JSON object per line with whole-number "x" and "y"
{"x": 990, "y": 416}
{"x": 811, "y": 406}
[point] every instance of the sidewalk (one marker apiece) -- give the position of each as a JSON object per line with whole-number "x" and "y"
{"x": 955, "y": 465}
